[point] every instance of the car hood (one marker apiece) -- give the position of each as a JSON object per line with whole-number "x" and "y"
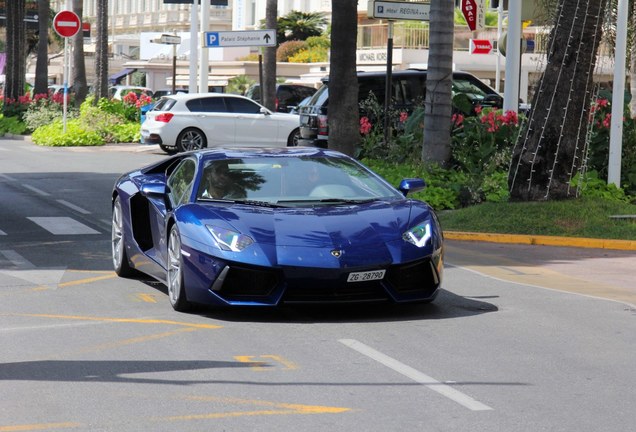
{"x": 320, "y": 226}
{"x": 332, "y": 236}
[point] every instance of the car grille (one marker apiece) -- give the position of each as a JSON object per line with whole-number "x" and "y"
{"x": 242, "y": 282}
{"x": 419, "y": 278}
{"x": 335, "y": 292}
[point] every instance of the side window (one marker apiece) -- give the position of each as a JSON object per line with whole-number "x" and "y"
{"x": 373, "y": 85}
{"x": 180, "y": 182}
{"x": 414, "y": 90}
{"x": 213, "y": 104}
{"x": 194, "y": 105}
{"x": 242, "y": 106}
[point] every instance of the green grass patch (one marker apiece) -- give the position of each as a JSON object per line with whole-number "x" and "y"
{"x": 582, "y": 217}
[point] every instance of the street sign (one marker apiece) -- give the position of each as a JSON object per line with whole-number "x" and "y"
{"x": 399, "y": 10}
{"x": 469, "y": 9}
{"x": 239, "y": 38}
{"x": 168, "y": 39}
{"x": 66, "y": 23}
{"x": 480, "y": 46}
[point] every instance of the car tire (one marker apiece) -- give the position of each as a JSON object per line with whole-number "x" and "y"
{"x": 118, "y": 242}
{"x": 292, "y": 141}
{"x": 191, "y": 139}
{"x": 167, "y": 149}
{"x": 176, "y": 288}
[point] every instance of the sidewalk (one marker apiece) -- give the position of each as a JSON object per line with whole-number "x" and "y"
{"x": 605, "y": 273}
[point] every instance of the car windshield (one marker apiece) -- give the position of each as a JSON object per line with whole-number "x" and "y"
{"x": 292, "y": 181}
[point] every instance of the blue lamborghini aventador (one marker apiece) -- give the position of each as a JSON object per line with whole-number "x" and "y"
{"x": 264, "y": 227}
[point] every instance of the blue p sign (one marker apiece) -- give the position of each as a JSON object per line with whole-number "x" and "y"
{"x": 211, "y": 39}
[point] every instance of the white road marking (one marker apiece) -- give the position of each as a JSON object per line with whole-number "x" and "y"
{"x": 2, "y": 232}
{"x": 36, "y": 190}
{"x": 63, "y": 225}
{"x": 49, "y": 278}
{"x": 7, "y": 178}
{"x": 73, "y": 207}
{"x": 17, "y": 260}
{"x": 417, "y": 376}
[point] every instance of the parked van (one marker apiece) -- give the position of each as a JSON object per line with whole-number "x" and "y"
{"x": 288, "y": 96}
{"x": 408, "y": 91}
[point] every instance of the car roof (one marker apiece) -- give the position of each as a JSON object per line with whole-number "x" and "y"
{"x": 188, "y": 96}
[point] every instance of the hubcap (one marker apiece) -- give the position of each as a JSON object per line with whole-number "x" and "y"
{"x": 174, "y": 267}
{"x": 117, "y": 235}
{"x": 192, "y": 141}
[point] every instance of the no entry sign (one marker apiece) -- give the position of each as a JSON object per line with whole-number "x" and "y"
{"x": 66, "y": 23}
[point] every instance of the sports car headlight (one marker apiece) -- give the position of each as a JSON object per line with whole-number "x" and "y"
{"x": 229, "y": 240}
{"x": 418, "y": 235}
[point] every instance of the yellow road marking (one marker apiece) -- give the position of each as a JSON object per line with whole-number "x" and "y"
{"x": 275, "y": 409}
{"x": 86, "y": 280}
{"x": 148, "y": 298}
{"x": 39, "y": 426}
{"x": 130, "y": 341}
{"x": 123, "y": 320}
{"x": 258, "y": 365}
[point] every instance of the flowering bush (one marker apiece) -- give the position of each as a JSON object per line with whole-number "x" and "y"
{"x": 598, "y": 154}
{"x": 481, "y": 147}
{"x": 45, "y": 109}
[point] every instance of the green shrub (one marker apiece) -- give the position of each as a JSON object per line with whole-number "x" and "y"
{"x": 11, "y": 125}
{"x": 53, "y": 135}
{"x": 289, "y": 49}
{"x": 314, "y": 55}
{"x": 43, "y": 111}
{"x": 126, "y": 133}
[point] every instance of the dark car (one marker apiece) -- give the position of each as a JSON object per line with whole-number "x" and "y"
{"x": 264, "y": 227}
{"x": 288, "y": 96}
{"x": 408, "y": 90}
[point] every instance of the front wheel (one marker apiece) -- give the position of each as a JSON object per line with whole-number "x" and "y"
{"x": 191, "y": 139}
{"x": 176, "y": 288}
{"x": 118, "y": 242}
{"x": 292, "y": 141}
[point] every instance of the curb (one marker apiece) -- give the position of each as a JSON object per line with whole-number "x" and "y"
{"x": 629, "y": 245}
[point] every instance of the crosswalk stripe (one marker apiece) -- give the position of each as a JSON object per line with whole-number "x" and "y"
{"x": 63, "y": 225}
{"x": 17, "y": 260}
{"x": 2, "y": 232}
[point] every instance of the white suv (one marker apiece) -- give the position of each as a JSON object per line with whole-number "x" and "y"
{"x": 187, "y": 121}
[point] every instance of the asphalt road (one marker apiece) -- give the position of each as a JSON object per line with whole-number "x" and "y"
{"x": 522, "y": 338}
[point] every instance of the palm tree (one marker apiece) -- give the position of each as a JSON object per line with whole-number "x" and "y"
{"x": 16, "y": 49}
{"x": 268, "y": 86}
{"x": 550, "y": 150}
{"x": 343, "y": 118}
{"x": 438, "y": 103}
{"x": 42, "y": 64}
{"x": 79, "y": 67}
{"x": 101, "y": 51}
{"x": 298, "y": 25}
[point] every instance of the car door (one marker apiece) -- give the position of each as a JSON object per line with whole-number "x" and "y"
{"x": 253, "y": 128}
{"x": 211, "y": 115}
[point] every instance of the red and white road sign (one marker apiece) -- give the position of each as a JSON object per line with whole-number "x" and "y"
{"x": 480, "y": 46}
{"x": 469, "y": 9}
{"x": 66, "y": 23}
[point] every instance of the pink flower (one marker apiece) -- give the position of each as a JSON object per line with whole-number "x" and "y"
{"x": 457, "y": 119}
{"x": 365, "y": 125}
{"x": 404, "y": 116}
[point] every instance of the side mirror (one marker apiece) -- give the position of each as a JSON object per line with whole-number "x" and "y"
{"x": 411, "y": 185}
{"x": 154, "y": 190}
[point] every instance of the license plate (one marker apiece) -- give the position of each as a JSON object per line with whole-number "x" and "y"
{"x": 366, "y": 276}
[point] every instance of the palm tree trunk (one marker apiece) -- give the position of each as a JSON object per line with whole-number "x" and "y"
{"x": 268, "y": 90}
{"x": 101, "y": 52}
{"x": 632, "y": 65}
{"x": 79, "y": 67}
{"x": 344, "y": 134}
{"x": 438, "y": 104}
{"x": 16, "y": 52}
{"x": 550, "y": 148}
{"x": 42, "y": 64}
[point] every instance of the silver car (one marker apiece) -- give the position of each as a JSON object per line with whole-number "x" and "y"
{"x": 192, "y": 121}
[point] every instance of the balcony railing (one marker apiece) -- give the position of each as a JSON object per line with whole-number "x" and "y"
{"x": 416, "y": 36}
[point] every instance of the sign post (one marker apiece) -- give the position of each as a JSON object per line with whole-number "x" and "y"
{"x": 67, "y": 24}
{"x": 174, "y": 40}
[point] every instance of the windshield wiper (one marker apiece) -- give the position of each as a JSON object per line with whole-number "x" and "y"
{"x": 241, "y": 201}
{"x": 330, "y": 201}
